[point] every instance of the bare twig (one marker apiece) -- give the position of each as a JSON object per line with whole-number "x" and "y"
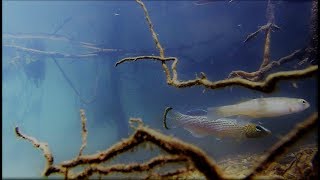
{"x": 84, "y": 132}
{"x": 178, "y": 152}
{"x": 264, "y": 86}
{"x": 257, "y": 75}
{"x": 40, "y": 145}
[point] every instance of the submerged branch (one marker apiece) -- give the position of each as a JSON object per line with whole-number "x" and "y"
{"x": 266, "y": 86}
{"x": 40, "y": 145}
{"x": 178, "y": 152}
{"x": 285, "y": 143}
{"x": 84, "y": 132}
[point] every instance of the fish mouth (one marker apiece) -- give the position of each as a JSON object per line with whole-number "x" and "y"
{"x": 307, "y": 105}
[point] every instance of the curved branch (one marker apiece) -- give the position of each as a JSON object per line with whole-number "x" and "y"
{"x": 266, "y": 86}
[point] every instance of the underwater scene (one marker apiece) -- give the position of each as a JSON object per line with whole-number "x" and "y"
{"x": 197, "y": 89}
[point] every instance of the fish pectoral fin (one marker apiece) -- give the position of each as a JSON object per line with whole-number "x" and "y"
{"x": 196, "y": 133}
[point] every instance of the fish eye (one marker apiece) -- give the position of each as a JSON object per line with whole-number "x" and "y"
{"x": 303, "y": 102}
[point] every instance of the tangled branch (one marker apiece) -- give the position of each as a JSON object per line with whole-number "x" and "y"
{"x": 178, "y": 152}
{"x": 303, "y": 54}
{"x": 266, "y": 86}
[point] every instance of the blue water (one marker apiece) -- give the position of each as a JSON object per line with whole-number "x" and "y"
{"x": 208, "y": 38}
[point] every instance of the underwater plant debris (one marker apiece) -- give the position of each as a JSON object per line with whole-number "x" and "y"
{"x": 278, "y": 162}
{"x": 179, "y": 152}
{"x": 266, "y": 86}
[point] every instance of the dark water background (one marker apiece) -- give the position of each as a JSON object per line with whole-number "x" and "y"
{"x": 206, "y": 38}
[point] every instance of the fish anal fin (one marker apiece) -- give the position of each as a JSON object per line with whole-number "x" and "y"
{"x": 196, "y": 133}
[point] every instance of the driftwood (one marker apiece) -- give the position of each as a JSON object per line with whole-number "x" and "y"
{"x": 179, "y": 152}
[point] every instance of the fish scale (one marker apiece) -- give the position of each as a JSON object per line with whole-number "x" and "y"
{"x": 261, "y": 107}
{"x": 200, "y": 126}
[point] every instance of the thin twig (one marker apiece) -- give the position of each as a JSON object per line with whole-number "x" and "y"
{"x": 84, "y": 132}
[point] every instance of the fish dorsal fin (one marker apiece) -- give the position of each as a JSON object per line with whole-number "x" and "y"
{"x": 196, "y": 133}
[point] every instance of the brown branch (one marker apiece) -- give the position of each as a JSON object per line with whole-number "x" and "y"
{"x": 281, "y": 147}
{"x": 257, "y": 75}
{"x": 154, "y": 34}
{"x": 261, "y": 28}
{"x": 178, "y": 152}
{"x": 265, "y": 27}
{"x": 133, "y": 167}
{"x": 40, "y": 145}
{"x": 157, "y": 58}
{"x": 84, "y": 132}
{"x": 171, "y": 175}
{"x": 143, "y": 134}
{"x": 155, "y": 38}
{"x": 266, "y": 50}
{"x": 304, "y": 54}
{"x": 264, "y": 86}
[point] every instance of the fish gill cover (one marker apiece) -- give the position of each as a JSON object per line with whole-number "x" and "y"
{"x": 61, "y": 68}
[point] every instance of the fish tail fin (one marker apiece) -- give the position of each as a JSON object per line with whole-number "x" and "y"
{"x": 174, "y": 118}
{"x": 218, "y": 112}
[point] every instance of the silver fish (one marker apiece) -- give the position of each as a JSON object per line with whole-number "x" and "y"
{"x": 200, "y": 126}
{"x": 261, "y": 107}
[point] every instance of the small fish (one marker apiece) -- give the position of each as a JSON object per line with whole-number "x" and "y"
{"x": 201, "y": 126}
{"x": 261, "y": 107}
